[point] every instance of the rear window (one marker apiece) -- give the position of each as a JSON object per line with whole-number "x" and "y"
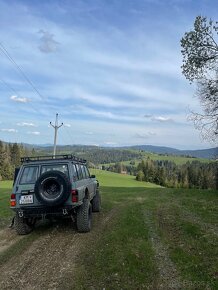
{"x": 29, "y": 175}
{"x": 59, "y": 167}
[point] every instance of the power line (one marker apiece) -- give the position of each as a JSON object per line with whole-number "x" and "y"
{"x": 16, "y": 93}
{"x": 10, "y": 87}
{"x": 5, "y": 52}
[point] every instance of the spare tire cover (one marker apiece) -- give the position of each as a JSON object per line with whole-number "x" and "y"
{"x": 52, "y": 188}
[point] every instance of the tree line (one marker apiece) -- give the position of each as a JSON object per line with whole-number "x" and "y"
{"x": 189, "y": 175}
{"x": 10, "y": 155}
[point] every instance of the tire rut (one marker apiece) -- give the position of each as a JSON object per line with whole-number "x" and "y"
{"x": 7, "y": 239}
{"x": 191, "y": 217}
{"x": 51, "y": 260}
{"x": 168, "y": 274}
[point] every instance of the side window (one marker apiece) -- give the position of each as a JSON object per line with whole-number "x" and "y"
{"x": 84, "y": 171}
{"x": 75, "y": 175}
{"x": 87, "y": 172}
{"x": 79, "y": 171}
{"x": 29, "y": 175}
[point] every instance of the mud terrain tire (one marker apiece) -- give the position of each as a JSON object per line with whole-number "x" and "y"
{"x": 96, "y": 202}
{"x": 84, "y": 217}
{"x": 22, "y": 226}
{"x": 52, "y": 188}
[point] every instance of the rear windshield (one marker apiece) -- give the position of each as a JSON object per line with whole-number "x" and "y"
{"x": 29, "y": 175}
{"x": 59, "y": 167}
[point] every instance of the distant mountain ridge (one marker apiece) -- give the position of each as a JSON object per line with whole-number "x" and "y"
{"x": 211, "y": 153}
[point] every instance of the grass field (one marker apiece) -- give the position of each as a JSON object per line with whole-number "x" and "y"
{"x": 5, "y": 212}
{"x": 151, "y": 238}
{"x": 157, "y": 237}
{"x": 112, "y": 179}
{"x": 179, "y": 160}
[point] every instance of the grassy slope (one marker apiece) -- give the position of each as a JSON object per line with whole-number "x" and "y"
{"x": 177, "y": 159}
{"x": 182, "y": 222}
{"x": 117, "y": 180}
{"x": 5, "y": 212}
{"x": 155, "y": 236}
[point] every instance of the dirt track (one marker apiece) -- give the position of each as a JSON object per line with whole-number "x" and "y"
{"x": 49, "y": 260}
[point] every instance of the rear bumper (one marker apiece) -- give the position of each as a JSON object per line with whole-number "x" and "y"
{"x": 43, "y": 212}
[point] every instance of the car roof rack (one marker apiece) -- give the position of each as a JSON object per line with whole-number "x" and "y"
{"x": 51, "y": 157}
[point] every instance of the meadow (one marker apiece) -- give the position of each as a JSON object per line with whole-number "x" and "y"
{"x": 179, "y": 160}
{"x": 146, "y": 237}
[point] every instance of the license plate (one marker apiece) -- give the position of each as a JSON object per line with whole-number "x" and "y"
{"x": 26, "y": 199}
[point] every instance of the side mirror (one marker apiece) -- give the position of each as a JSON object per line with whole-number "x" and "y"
{"x": 92, "y": 176}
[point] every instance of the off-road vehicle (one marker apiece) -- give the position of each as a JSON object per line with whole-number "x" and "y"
{"x": 48, "y": 187}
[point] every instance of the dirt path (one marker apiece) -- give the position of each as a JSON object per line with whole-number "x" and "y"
{"x": 7, "y": 239}
{"x": 50, "y": 260}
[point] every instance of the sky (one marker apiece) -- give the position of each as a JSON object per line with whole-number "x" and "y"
{"x": 111, "y": 69}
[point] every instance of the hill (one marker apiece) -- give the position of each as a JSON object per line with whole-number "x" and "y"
{"x": 211, "y": 153}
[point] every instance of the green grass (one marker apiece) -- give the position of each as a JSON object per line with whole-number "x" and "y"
{"x": 5, "y": 212}
{"x": 112, "y": 179}
{"x": 123, "y": 255}
{"x": 179, "y": 160}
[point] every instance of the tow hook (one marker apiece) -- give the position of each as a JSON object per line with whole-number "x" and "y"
{"x": 65, "y": 211}
{"x": 20, "y": 214}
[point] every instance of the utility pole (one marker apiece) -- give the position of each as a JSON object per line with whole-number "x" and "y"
{"x": 56, "y": 127}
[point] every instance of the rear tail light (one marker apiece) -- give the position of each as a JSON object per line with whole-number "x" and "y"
{"x": 74, "y": 198}
{"x": 13, "y": 200}
{"x": 74, "y": 195}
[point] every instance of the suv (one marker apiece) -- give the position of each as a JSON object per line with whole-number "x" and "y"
{"x": 47, "y": 186}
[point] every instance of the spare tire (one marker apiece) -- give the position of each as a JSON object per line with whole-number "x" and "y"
{"x": 52, "y": 188}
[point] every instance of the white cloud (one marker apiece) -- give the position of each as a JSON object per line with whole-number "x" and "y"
{"x": 110, "y": 143}
{"x": 162, "y": 119}
{"x": 105, "y": 100}
{"x": 106, "y": 114}
{"x": 67, "y": 125}
{"x": 9, "y": 130}
{"x": 19, "y": 99}
{"x": 47, "y": 42}
{"x": 89, "y": 133}
{"x": 33, "y": 133}
{"x": 133, "y": 63}
{"x": 25, "y": 124}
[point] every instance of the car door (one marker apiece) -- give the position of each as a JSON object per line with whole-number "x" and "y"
{"x": 89, "y": 181}
{"x": 80, "y": 182}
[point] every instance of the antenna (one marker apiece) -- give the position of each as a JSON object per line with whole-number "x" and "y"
{"x": 56, "y": 127}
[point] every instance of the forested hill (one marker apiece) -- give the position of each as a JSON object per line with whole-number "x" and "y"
{"x": 211, "y": 153}
{"x": 117, "y": 154}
